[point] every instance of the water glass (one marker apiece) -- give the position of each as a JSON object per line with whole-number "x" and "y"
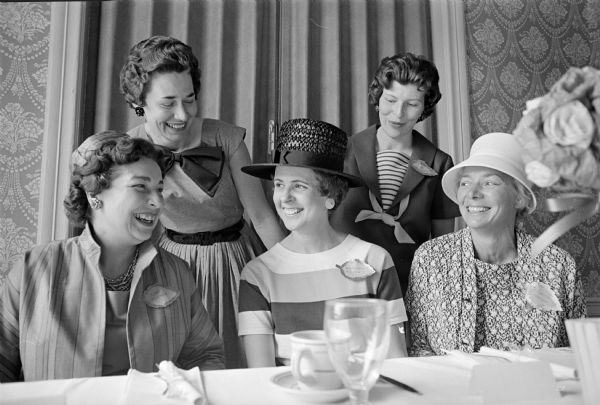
{"x": 584, "y": 337}
{"x": 358, "y": 337}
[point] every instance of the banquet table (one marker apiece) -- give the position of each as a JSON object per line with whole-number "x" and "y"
{"x": 441, "y": 380}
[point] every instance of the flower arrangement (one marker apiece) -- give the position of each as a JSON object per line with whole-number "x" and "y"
{"x": 560, "y": 134}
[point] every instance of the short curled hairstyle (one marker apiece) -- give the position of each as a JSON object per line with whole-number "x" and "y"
{"x": 406, "y": 68}
{"x": 93, "y": 164}
{"x": 332, "y": 186}
{"x": 155, "y": 54}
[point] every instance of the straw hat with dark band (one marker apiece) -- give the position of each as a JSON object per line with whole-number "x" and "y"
{"x": 303, "y": 142}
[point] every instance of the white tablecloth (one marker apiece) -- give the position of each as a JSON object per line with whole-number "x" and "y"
{"x": 442, "y": 380}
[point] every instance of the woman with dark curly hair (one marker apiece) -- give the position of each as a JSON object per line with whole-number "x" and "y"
{"x": 107, "y": 300}
{"x": 206, "y": 194}
{"x": 403, "y": 204}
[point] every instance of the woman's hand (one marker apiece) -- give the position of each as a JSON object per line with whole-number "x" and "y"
{"x": 253, "y": 199}
{"x": 260, "y": 350}
{"x": 397, "y": 343}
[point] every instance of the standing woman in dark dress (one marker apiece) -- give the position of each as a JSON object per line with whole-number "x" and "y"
{"x": 403, "y": 203}
{"x": 206, "y": 196}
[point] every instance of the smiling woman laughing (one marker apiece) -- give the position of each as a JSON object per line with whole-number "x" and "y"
{"x": 481, "y": 286}
{"x": 208, "y": 200}
{"x": 107, "y": 300}
{"x": 284, "y": 290}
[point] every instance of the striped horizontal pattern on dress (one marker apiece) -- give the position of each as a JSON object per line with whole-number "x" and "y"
{"x": 391, "y": 169}
{"x": 283, "y": 291}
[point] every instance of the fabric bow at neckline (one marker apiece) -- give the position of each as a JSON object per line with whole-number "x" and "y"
{"x": 203, "y": 165}
{"x": 401, "y": 235}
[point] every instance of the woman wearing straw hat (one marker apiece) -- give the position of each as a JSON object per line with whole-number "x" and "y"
{"x": 284, "y": 289}
{"x": 480, "y": 286}
{"x": 107, "y": 300}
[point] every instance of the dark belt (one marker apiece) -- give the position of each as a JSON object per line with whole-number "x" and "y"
{"x": 228, "y": 234}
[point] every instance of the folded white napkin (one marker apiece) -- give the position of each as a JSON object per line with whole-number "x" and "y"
{"x": 182, "y": 384}
{"x": 559, "y": 360}
{"x": 170, "y": 386}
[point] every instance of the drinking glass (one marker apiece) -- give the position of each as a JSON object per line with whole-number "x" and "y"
{"x": 358, "y": 337}
{"x": 584, "y": 336}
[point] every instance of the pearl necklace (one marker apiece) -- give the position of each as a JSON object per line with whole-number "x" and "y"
{"x": 122, "y": 282}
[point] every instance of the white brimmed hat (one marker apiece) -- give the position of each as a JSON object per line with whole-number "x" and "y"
{"x": 497, "y": 151}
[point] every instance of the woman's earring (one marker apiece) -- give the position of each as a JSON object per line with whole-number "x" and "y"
{"x": 376, "y": 108}
{"x": 139, "y": 111}
{"x": 521, "y": 203}
{"x": 96, "y": 203}
{"x": 329, "y": 203}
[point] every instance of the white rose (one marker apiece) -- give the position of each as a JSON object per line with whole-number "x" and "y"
{"x": 532, "y": 104}
{"x": 570, "y": 125}
{"x": 540, "y": 174}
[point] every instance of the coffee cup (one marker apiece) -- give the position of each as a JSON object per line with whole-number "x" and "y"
{"x": 311, "y": 366}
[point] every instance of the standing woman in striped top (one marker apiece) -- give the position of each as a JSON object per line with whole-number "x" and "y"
{"x": 403, "y": 204}
{"x": 107, "y": 300}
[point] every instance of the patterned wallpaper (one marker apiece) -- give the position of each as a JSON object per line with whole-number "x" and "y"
{"x": 24, "y": 34}
{"x": 516, "y": 50}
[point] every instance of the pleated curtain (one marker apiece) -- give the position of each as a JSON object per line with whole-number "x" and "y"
{"x": 266, "y": 60}
{"x": 330, "y": 50}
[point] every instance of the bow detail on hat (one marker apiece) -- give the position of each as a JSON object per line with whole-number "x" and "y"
{"x": 401, "y": 235}
{"x": 203, "y": 164}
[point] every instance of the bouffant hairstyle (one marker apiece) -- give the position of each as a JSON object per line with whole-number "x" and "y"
{"x": 406, "y": 69}
{"x": 332, "y": 186}
{"x": 93, "y": 164}
{"x": 155, "y": 54}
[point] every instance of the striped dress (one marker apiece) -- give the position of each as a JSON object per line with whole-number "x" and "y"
{"x": 391, "y": 169}
{"x": 53, "y": 312}
{"x": 282, "y": 292}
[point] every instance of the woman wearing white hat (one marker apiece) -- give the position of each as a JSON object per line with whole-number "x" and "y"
{"x": 480, "y": 286}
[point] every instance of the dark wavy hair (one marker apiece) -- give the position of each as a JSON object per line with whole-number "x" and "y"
{"x": 332, "y": 186}
{"x": 155, "y": 54}
{"x": 406, "y": 68}
{"x": 93, "y": 164}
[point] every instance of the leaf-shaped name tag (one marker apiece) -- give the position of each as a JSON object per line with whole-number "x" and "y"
{"x": 539, "y": 295}
{"x": 356, "y": 269}
{"x": 423, "y": 168}
{"x": 157, "y": 296}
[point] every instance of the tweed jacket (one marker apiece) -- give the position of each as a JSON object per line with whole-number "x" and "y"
{"x": 443, "y": 299}
{"x": 53, "y": 314}
{"x": 423, "y": 194}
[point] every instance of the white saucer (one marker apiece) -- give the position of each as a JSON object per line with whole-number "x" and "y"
{"x": 285, "y": 382}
